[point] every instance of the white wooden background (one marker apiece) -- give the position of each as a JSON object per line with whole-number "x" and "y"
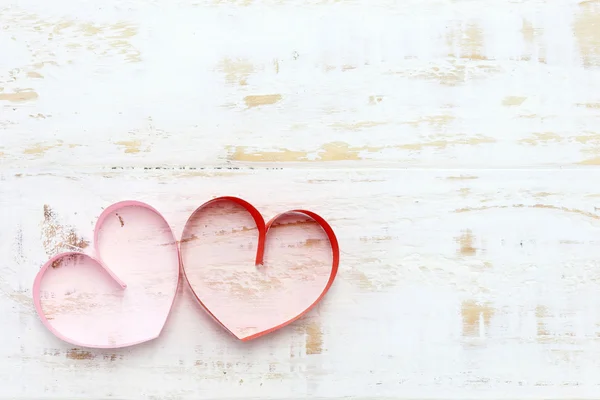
{"x": 453, "y": 144}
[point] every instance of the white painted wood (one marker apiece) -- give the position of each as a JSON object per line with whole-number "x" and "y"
{"x": 453, "y": 146}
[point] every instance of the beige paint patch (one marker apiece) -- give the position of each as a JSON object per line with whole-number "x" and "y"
{"x": 357, "y": 125}
{"x": 78, "y": 354}
{"x": 19, "y": 96}
{"x": 116, "y": 37}
{"x": 52, "y": 36}
{"x": 35, "y": 75}
{"x": 437, "y": 121}
{"x": 131, "y": 146}
{"x": 469, "y": 41}
{"x": 593, "y": 138}
{"x": 466, "y": 244}
{"x": 590, "y": 161}
{"x": 513, "y": 101}
{"x": 122, "y": 30}
{"x": 442, "y": 144}
{"x": 528, "y": 31}
{"x": 39, "y": 116}
{"x": 261, "y": 100}
{"x": 543, "y": 194}
{"x": 475, "y": 314}
{"x": 102, "y": 40}
{"x": 592, "y": 146}
{"x": 538, "y": 206}
{"x": 39, "y": 65}
{"x": 533, "y": 44}
{"x": 338, "y": 151}
{"x": 472, "y": 43}
{"x": 541, "y": 314}
{"x": 589, "y": 105}
{"x": 586, "y": 31}
{"x": 57, "y": 238}
{"x": 312, "y": 242}
{"x": 375, "y": 100}
{"x": 314, "y": 338}
{"x": 542, "y": 138}
{"x": 335, "y": 151}
{"x": 90, "y": 29}
{"x": 39, "y": 149}
{"x": 242, "y": 153}
{"x": 361, "y": 279}
{"x": 236, "y": 71}
{"x": 464, "y": 192}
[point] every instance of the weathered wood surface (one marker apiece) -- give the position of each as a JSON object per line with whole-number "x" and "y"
{"x": 453, "y": 146}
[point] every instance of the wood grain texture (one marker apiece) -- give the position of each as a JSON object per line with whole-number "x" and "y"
{"x": 453, "y": 145}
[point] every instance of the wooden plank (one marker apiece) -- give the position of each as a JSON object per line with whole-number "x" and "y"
{"x": 432, "y": 84}
{"x": 453, "y": 284}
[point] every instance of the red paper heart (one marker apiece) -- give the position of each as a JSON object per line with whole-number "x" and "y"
{"x": 249, "y": 303}
{"x": 83, "y": 302}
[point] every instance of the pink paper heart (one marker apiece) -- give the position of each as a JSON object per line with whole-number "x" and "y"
{"x": 122, "y": 296}
{"x": 222, "y": 258}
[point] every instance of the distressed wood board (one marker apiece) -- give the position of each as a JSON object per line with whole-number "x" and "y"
{"x": 452, "y": 145}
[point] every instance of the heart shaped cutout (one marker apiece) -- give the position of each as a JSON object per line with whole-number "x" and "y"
{"x": 219, "y": 243}
{"x": 124, "y": 294}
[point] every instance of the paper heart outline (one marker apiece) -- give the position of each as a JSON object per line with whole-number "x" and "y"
{"x": 263, "y": 229}
{"x": 97, "y": 259}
